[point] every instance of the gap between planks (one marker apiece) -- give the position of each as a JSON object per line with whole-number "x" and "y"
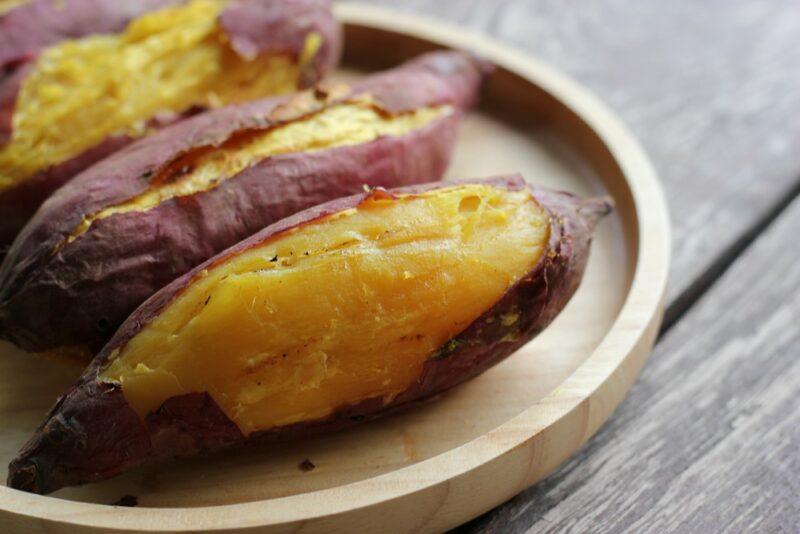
{"x": 703, "y": 283}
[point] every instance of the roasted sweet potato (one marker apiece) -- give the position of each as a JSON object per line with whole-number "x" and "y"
{"x": 132, "y": 223}
{"x": 342, "y": 312}
{"x": 79, "y": 79}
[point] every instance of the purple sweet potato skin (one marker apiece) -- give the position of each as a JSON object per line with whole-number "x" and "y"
{"x": 253, "y": 26}
{"x": 77, "y": 443}
{"x": 54, "y": 294}
{"x": 277, "y": 26}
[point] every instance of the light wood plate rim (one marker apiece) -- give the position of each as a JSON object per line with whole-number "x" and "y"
{"x": 452, "y": 487}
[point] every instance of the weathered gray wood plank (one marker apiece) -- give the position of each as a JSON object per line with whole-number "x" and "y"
{"x": 710, "y": 88}
{"x": 709, "y": 438}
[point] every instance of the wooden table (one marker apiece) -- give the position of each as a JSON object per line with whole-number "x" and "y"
{"x": 709, "y": 438}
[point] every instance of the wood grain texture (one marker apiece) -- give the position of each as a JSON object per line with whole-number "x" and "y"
{"x": 708, "y": 440}
{"x": 709, "y": 88}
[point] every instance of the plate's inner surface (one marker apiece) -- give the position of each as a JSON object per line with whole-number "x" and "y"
{"x": 507, "y": 136}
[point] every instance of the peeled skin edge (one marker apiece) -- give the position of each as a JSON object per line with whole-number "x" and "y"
{"x": 80, "y": 99}
{"x": 131, "y": 224}
{"x": 483, "y": 265}
{"x": 340, "y": 125}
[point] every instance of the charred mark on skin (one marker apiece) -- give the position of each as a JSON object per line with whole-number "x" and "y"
{"x": 274, "y": 259}
{"x": 306, "y": 465}
{"x": 320, "y": 93}
{"x": 208, "y": 299}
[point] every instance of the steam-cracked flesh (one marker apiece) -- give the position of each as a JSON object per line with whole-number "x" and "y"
{"x": 336, "y": 126}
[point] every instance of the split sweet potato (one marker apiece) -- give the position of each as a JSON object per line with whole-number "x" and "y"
{"x": 132, "y": 223}
{"x": 79, "y": 79}
{"x": 342, "y": 312}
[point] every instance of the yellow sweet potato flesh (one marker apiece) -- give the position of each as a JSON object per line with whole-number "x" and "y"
{"x": 336, "y": 126}
{"x": 84, "y": 90}
{"x": 336, "y": 311}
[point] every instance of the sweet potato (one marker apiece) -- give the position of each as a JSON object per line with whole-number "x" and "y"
{"x": 132, "y": 223}
{"x": 342, "y": 312}
{"x": 79, "y": 79}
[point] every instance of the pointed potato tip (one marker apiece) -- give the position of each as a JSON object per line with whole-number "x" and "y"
{"x": 24, "y": 475}
{"x": 37, "y": 468}
{"x": 91, "y": 433}
{"x": 595, "y": 208}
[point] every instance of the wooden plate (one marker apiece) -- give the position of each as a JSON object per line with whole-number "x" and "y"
{"x": 478, "y": 445}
